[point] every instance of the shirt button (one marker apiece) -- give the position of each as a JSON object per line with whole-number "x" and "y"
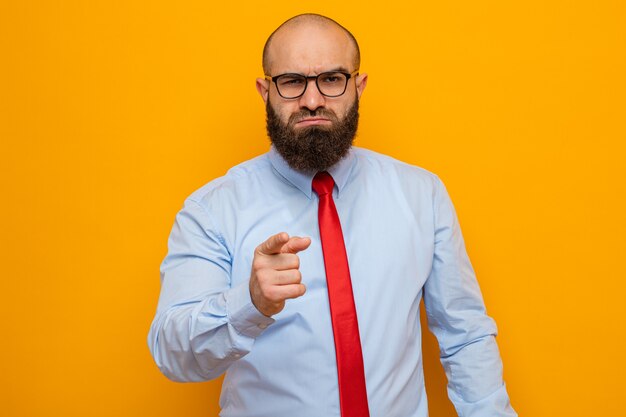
{"x": 237, "y": 355}
{"x": 263, "y": 326}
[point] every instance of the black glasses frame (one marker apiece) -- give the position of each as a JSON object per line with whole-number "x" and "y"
{"x": 348, "y": 75}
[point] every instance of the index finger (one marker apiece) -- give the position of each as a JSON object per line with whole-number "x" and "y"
{"x": 273, "y": 244}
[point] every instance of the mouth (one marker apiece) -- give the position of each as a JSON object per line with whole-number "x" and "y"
{"x": 313, "y": 121}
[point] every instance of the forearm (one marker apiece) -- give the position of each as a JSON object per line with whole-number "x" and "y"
{"x": 457, "y": 316}
{"x": 202, "y": 323}
{"x": 198, "y": 341}
{"x": 475, "y": 383}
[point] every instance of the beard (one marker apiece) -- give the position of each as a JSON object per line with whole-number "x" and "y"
{"x": 313, "y": 148}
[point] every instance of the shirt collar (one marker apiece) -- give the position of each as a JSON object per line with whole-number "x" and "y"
{"x": 303, "y": 180}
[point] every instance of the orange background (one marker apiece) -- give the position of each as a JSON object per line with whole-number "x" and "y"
{"x": 112, "y": 112}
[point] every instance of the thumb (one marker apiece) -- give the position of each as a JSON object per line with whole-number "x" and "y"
{"x": 296, "y": 244}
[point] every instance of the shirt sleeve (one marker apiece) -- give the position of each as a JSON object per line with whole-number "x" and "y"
{"x": 202, "y": 324}
{"x": 457, "y": 316}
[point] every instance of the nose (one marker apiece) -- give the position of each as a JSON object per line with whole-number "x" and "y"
{"x": 312, "y": 99}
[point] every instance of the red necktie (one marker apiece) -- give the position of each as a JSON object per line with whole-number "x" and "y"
{"x": 352, "y": 393}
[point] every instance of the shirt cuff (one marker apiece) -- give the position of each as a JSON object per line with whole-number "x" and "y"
{"x": 242, "y": 314}
{"x": 495, "y": 405}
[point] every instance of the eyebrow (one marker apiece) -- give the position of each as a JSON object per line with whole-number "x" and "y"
{"x": 338, "y": 69}
{"x": 335, "y": 69}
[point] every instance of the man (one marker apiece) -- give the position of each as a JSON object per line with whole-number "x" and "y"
{"x": 300, "y": 272}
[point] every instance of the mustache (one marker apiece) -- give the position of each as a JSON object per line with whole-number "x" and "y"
{"x": 312, "y": 148}
{"x": 306, "y": 113}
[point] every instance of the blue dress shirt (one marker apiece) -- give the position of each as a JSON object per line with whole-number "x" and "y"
{"x": 403, "y": 242}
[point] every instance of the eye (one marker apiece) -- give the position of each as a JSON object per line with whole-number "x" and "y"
{"x": 290, "y": 81}
{"x": 332, "y": 78}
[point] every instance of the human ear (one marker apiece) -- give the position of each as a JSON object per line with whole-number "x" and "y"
{"x": 263, "y": 87}
{"x": 361, "y": 82}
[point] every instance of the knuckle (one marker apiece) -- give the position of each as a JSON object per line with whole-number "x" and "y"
{"x": 263, "y": 276}
{"x": 257, "y": 263}
{"x": 288, "y": 247}
{"x": 296, "y": 291}
{"x": 266, "y": 292}
{"x": 259, "y": 249}
{"x": 289, "y": 261}
{"x": 271, "y": 294}
{"x": 284, "y": 277}
{"x": 295, "y": 276}
{"x": 294, "y": 261}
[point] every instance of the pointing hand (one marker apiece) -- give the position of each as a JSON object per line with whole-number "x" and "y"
{"x": 275, "y": 273}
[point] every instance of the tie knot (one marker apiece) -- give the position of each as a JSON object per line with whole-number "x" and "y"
{"x": 323, "y": 183}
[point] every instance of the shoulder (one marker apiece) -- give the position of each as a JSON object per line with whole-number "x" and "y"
{"x": 238, "y": 179}
{"x": 374, "y": 163}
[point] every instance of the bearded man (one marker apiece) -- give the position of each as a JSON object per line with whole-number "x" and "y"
{"x": 300, "y": 272}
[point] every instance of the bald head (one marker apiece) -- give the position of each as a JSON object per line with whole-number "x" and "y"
{"x": 304, "y": 22}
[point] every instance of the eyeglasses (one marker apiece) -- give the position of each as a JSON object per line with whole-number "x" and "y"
{"x": 329, "y": 84}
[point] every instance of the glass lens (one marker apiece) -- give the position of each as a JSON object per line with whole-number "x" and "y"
{"x": 291, "y": 85}
{"x": 332, "y": 83}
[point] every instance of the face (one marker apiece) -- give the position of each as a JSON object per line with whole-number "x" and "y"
{"x": 312, "y": 132}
